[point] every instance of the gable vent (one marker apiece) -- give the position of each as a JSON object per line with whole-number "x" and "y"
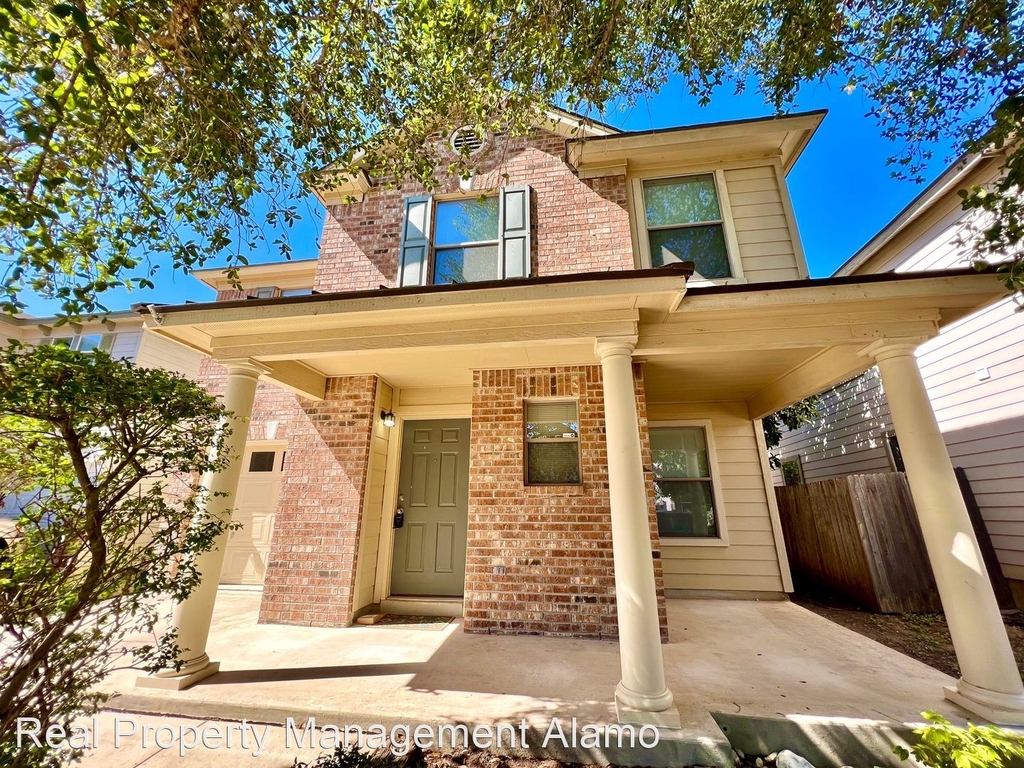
{"x": 466, "y": 139}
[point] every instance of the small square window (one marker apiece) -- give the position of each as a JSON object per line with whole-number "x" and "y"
{"x": 552, "y": 437}
{"x": 266, "y": 292}
{"x": 261, "y": 461}
{"x": 685, "y": 501}
{"x": 793, "y": 471}
{"x": 684, "y": 223}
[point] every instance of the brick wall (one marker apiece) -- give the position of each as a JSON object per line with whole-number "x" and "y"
{"x": 539, "y": 558}
{"x": 578, "y": 226}
{"x": 312, "y": 565}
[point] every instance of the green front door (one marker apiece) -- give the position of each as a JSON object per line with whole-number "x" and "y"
{"x": 433, "y": 494}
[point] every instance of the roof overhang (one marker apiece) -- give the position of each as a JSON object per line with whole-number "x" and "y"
{"x": 280, "y": 274}
{"x": 782, "y": 137}
{"x": 767, "y": 345}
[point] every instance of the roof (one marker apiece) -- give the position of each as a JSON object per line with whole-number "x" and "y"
{"x": 784, "y": 136}
{"x": 950, "y": 180}
{"x": 680, "y": 269}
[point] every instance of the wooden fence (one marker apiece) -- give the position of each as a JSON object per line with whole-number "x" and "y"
{"x": 858, "y": 537}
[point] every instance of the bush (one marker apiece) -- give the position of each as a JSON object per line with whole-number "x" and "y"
{"x": 943, "y": 745}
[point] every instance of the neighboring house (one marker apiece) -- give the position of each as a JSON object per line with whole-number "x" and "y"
{"x": 532, "y": 398}
{"x": 974, "y": 372}
{"x": 122, "y": 334}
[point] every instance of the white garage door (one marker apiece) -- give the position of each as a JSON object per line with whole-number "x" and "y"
{"x": 245, "y": 559}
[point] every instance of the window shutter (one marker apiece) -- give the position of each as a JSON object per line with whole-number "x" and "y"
{"x": 514, "y": 231}
{"x": 412, "y": 266}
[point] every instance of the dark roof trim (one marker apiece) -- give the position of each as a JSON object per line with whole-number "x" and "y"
{"x": 699, "y": 126}
{"x": 818, "y": 282}
{"x": 682, "y": 269}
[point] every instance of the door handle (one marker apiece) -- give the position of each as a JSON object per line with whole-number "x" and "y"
{"x": 399, "y": 518}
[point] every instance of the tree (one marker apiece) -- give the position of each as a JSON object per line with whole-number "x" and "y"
{"x": 792, "y": 417}
{"x": 137, "y": 129}
{"x": 104, "y": 459}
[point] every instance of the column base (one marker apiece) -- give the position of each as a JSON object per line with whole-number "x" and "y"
{"x": 668, "y": 718}
{"x": 996, "y": 707}
{"x": 640, "y": 708}
{"x": 171, "y": 681}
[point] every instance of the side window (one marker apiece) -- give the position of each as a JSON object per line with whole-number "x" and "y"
{"x": 792, "y": 471}
{"x": 552, "y": 443}
{"x": 262, "y": 461}
{"x": 467, "y": 239}
{"x": 895, "y": 455}
{"x": 683, "y": 222}
{"x": 685, "y": 498}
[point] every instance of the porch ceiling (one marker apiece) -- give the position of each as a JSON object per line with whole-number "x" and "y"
{"x": 766, "y": 345}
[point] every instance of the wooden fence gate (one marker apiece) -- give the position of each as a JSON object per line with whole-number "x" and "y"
{"x": 858, "y": 537}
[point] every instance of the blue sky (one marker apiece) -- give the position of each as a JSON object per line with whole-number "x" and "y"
{"x": 842, "y": 190}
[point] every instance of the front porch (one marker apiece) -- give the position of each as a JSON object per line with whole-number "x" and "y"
{"x": 824, "y": 686}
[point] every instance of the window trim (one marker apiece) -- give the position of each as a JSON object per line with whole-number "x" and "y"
{"x": 433, "y": 248}
{"x": 732, "y": 249}
{"x": 578, "y": 440}
{"x": 799, "y": 468}
{"x": 722, "y": 540}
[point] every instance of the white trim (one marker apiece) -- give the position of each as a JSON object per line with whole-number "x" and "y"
{"x": 386, "y": 545}
{"x": 773, "y": 507}
{"x": 638, "y": 224}
{"x": 722, "y": 540}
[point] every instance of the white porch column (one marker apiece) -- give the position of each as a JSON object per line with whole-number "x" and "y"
{"x": 643, "y": 671}
{"x": 192, "y": 617}
{"x": 990, "y": 684}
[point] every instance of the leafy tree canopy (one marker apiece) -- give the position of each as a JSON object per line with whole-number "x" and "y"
{"x": 103, "y": 460}
{"x": 133, "y": 130}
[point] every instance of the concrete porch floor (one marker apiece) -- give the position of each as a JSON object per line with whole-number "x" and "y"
{"x": 734, "y": 658}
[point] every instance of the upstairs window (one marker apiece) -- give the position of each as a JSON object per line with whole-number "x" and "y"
{"x": 683, "y": 219}
{"x": 467, "y": 239}
{"x": 85, "y": 342}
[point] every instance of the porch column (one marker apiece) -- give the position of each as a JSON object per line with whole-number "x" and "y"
{"x": 643, "y": 671}
{"x": 990, "y": 684}
{"x": 192, "y": 617}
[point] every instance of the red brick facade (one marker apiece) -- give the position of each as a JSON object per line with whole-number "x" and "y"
{"x": 578, "y": 226}
{"x": 311, "y": 569}
{"x": 539, "y": 558}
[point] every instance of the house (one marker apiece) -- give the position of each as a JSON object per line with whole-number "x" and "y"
{"x": 122, "y": 334}
{"x": 973, "y": 371}
{"x": 532, "y": 398}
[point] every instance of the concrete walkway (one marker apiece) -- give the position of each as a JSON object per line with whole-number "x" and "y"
{"x": 732, "y": 658}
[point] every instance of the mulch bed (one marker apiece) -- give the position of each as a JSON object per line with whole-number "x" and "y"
{"x": 922, "y": 636}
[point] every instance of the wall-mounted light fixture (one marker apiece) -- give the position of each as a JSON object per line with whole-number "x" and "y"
{"x": 388, "y": 417}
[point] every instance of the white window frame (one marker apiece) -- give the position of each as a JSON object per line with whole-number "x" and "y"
{"x": 106, "y": 340}
{"x": 722, "y": 540}
{"x": 732, "y": 248}
{"x": 439, "y": 200}
{"x": 799, "y": 467}
{"x": 265, "y": 292}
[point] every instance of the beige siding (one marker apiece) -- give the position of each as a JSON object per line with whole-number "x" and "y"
{"x": 750, "y": 561}
{"x": 373, "y": 505}
{"x": 126, "y": 345}
{"x": 762, "y": 227}
{"x": 158, "y": 352}
{"x": 982, "y": 420}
